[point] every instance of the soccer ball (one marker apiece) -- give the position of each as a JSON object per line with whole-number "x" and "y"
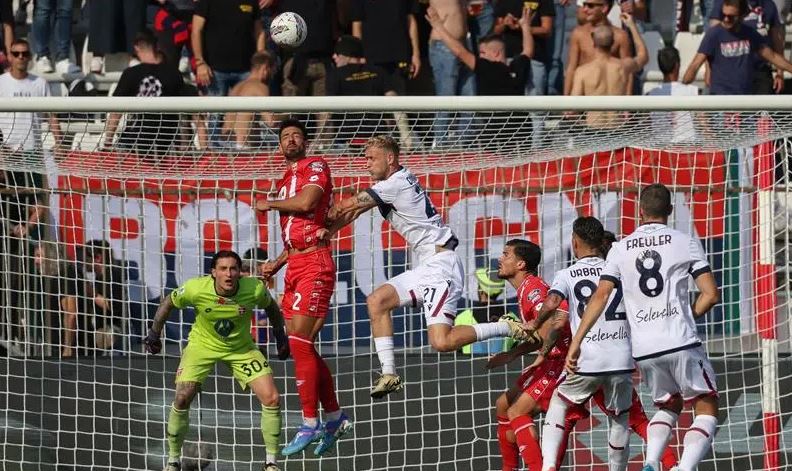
{"x": 288, "y": 30}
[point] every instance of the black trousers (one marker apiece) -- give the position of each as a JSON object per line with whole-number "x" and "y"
{"x": 114, "y": 24}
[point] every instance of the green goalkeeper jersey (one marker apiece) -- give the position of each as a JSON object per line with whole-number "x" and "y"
{"x": 222, "y": 322}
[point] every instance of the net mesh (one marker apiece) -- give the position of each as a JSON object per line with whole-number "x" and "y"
{"x": 95, "y": 230}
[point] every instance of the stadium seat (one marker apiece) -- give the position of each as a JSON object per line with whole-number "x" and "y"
{"x": 688, "y": 44}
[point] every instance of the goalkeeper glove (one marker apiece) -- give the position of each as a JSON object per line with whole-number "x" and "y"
{"x": 153, "y": 342}
{"x": 282, "y": 342}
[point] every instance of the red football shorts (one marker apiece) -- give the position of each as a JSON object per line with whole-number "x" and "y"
{"x": 541, "y": 382}
{"x": 309, "y": 284}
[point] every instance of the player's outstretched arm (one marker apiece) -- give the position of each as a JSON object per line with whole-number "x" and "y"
{"x": 152, "y": 341}
{"x": 273, "y": 266}
{"x": 593, "y": 311}
{"x": 346, "y": 211}
{"x": 305, "y": 200}
{"x": 549, "y": 306}
{"x": 710, "y": 295}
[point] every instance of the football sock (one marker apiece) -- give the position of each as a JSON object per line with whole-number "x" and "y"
{"x": 698, "y": 441}
{"x": 488, "y": 330}
{"x": 526, "y": 441}
{"x": 178, "y": 424}
{"x": 509, "y": 453}
{"x": 553, "y": 431}
{"x": 619, "y": 443}
{"x": 658, "y": 435}
{"x": 384, "y": 346}
{"x": 306, "y": 372}
{"x": 270, "y": 430}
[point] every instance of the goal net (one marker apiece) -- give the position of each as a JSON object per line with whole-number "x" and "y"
{"x": 107, "y": 204}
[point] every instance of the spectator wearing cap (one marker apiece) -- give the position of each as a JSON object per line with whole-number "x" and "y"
{"x": 353, "y": 76}
{"x": 486, "y": 309}
{"x": 761, "y": 16}
{"x": 147, "y": 133}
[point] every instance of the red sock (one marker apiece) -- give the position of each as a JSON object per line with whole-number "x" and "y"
{"x": 306, "y": 371}
{"x": 326, "y": 389}
{"x": 639, "y": 423}
{"x": 510, "y": 455}
{"x": 529, "y": 447}
{"x": 569, "y": 424}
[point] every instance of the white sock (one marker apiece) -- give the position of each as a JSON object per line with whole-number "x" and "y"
{"x": 487, "y": 330}
{"x": 311, "y": 421}
{"x": 698, "y": 441}
{"x": 619, "y": 442}
{"x": 553, "y": 431}
{"x": 271, "y": 459}
{"x": 658, "y": 435}
{"x": 384, "y": 346}
{"x": 333, "y": 416}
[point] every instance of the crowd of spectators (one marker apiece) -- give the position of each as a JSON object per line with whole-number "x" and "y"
{"x": 353, "y": 48}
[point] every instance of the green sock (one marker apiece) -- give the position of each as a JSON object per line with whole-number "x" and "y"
{"x": 178, "y": 424}
{"x": 271, "y": 428}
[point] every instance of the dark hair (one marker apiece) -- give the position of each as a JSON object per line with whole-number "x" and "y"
{"x": 98, "y": 247}
{"x": 589, "y": 230}
{"x": 292, "y": 123}
{"x": 528, "y": 252}
{"x": 656, "y": 201}
{"x": 490, "y": 38}
{"x": 145, "y": 39}
{"x": 19, "y": 41}
{"x": 742, "y": 6}
{"x": 262, "y": 58}
{"x": 226, "y": 254}
{"x": 256, "y": 253}
{"x": 667, "y": 59}
{"x": 608, "y": 239}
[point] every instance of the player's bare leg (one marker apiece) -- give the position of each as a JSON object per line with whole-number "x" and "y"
{"x": 179, "y": 422}
{"x": 380, "y": 304}
{"x": 699, "y": 437}
{"x": 314, "y": 386}
{"x": 658, "y": 434}
{"x": 521, "y": 416}
{"x": 267, "y": 393}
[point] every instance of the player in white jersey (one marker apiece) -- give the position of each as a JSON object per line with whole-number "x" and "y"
{"x": 605, "y": 360}
{"x": 436, "y": 279}
{"x": 652, "y": 266}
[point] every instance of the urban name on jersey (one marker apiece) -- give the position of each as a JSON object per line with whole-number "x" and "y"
{"x": 648, "y": 241}
{"x": 652, "y": 315}
{"x": 603, "y": 335}
{"x": 585, "y": 271}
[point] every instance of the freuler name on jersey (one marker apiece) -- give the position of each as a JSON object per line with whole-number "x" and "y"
{"x": 648, "y": 241}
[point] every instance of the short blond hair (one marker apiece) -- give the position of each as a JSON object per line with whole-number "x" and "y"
{"x": 385, "y": 143}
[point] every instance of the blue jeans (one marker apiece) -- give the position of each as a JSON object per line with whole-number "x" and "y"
{"x": 221, "y": 84}
{"x": 537, "y": 85}
{"x": 43, "y": 23}
{"x": 451, "y": 77}
{"x": 555, "y": 76}
{"x": 482, "y": 24}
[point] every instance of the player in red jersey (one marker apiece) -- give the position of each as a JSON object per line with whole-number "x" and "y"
{"x": 304, "y": 197}
{"x": 531, "y": 394}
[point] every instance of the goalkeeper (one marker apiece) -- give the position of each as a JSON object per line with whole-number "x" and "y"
{"x": 223, "y": 302}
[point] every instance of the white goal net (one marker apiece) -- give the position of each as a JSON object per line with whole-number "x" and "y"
{"x": 107, "y": 204}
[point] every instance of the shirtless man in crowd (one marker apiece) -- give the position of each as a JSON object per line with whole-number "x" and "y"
{"x": 607, "y": 75}
{"x": 241, "y": 126}
{"x": 581, "y": 43}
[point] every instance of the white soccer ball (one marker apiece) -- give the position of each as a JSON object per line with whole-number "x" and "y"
{"x": 288, "y": 30}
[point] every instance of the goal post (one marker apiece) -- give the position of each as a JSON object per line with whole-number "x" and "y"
{"x": 130, "y": 211}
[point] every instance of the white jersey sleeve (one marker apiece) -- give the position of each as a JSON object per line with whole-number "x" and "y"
{"x": 699, "y": 263}
{"x": 406, "y": 205}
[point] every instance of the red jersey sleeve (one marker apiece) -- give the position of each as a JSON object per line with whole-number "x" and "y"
{"x": 531, "y": 295}
{"x": 316, "y": 172}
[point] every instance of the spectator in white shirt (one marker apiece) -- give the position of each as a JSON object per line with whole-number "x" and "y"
{"x": 677, "y": 125}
